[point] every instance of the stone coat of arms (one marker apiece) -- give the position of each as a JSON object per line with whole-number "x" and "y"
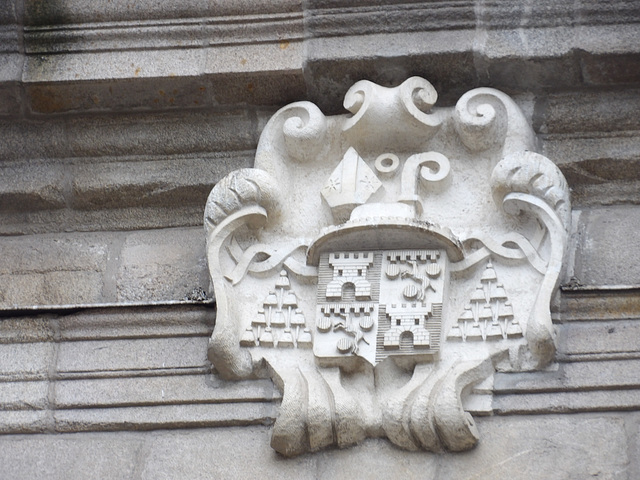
{"x": 377, "y": 264}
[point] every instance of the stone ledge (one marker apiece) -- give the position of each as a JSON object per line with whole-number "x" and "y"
{"x": 163, "y": 417}
{"x": 137, "y": 418}
{"x": 81, "y": 11}
{"x": 578, "y": 376}
{"x": 159, "y": 390}
{"x": 605, "y": 258}
{"x": 584, "y": 303}
{"x": 230, "y": 453}
{"x": 598, "y": 340}
{"x": 74, "y": 270}
{"x": 567, "y": 402}
{"x": 110, "y": 61}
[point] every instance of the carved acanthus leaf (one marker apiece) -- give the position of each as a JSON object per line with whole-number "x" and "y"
{"x": 532, "y": 173}
{"x": 531, "y": 183}
{"x": 238, "y": 190}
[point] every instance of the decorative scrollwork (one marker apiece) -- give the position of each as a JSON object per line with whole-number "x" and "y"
{"x": 418, "y": 96}
{"x": 482, "y": 116}
{"x": 243, "y": 197}
{"x": 304, "y": 130}
{"x": 529, "y": 182}
{"x": 532, "y": 173}
{"x": 433, "y": 168}
{"x": 238, "y": 190}
{"x": 409, "y": 103}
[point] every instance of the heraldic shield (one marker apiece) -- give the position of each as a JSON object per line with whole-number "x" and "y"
{"x": 377, "y": 304}
{"x": 380, "y": 266}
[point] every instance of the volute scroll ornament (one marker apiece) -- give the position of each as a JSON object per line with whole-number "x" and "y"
{"x": 378, "y": 265}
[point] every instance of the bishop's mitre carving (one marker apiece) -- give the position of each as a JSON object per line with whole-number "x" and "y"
{"x": 376, "y": 264}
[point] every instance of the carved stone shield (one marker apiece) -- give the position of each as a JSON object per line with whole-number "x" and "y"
{"x": 377, "y": 265}
{"x": 377, "y": 304}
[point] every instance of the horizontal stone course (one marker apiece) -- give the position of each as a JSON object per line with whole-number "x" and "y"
{"x": 26, "y": 361}
{"x": 167, "y": 264}
{"x": 173, "y": 416}
{"x": 272, "y": 53}
{"x": 580, "y": 340}
{"x": 140, "y": 354}
{"x": 25, "y": 421}
{"x": 567, "y": 402}
{"x": 160, "y": 265}
{"x": 608, "y": 252}
{"x": 24, "y": 395}
{"x": 600, "y": 452}
{"x": 50, "y": 253}
{"x": 96, "y": 268}
{"x": 585, "y": 375}
{"x": 172, "y": 389}
{"x": 101, "y": 220}
{"x": 182, "y": 320}
{"x": 78, "y": 11}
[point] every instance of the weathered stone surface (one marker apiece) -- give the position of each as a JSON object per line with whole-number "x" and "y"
{"x": 123, "y": 355}
{"x": 201, "y": 91}
{"x": 126, "y": 136}
{"x": 137, "y": 134}
{"x": 633, "y": 429}
{"x": 34, "y": 188}
{"x": 572, "y": 376}
{"x": 26, "y": 330}
{"x": 608, "y": 252}
{"x": 604, "y": 111}
{"x": 50, "y": 288}
{"x": 602, "y": 170}
{"x": 555, "y": 45}
{"x": 26, "y": 361}
{"x": 52, "y": 269}
{"x": 141, "y": 322}
{"x": 24, "y": 395}
{"x": 93, "y": 268}
{"x": 165, "y": 264}
{"x": 567, "y": 402}
{"x": 598, "y": 339}
{"x": 59, "y": 456}
{"x": 10, "y": 94}
{"x": 535, "y": 448}
{"x": 78, "y": 11}
{"x": 179, "y": 181}
{"x": 192, "y": 415}
{"x": 542, "y": 447}
{"x": 597, "y": 304}
{"x": 32, "y": 139}
{"x": 25, "y": 421}
{"x": 177, "y": 389}
{"x": 99, "y": 220}
{"x": 52, "y": 253}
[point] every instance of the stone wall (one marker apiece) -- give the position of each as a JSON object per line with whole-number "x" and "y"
{"x": 117, "y": 118}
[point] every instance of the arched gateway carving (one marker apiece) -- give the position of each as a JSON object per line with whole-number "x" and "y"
{"x": 376, "y": 264}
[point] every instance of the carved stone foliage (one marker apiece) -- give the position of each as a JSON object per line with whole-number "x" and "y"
{"x": 376, "y": 265}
